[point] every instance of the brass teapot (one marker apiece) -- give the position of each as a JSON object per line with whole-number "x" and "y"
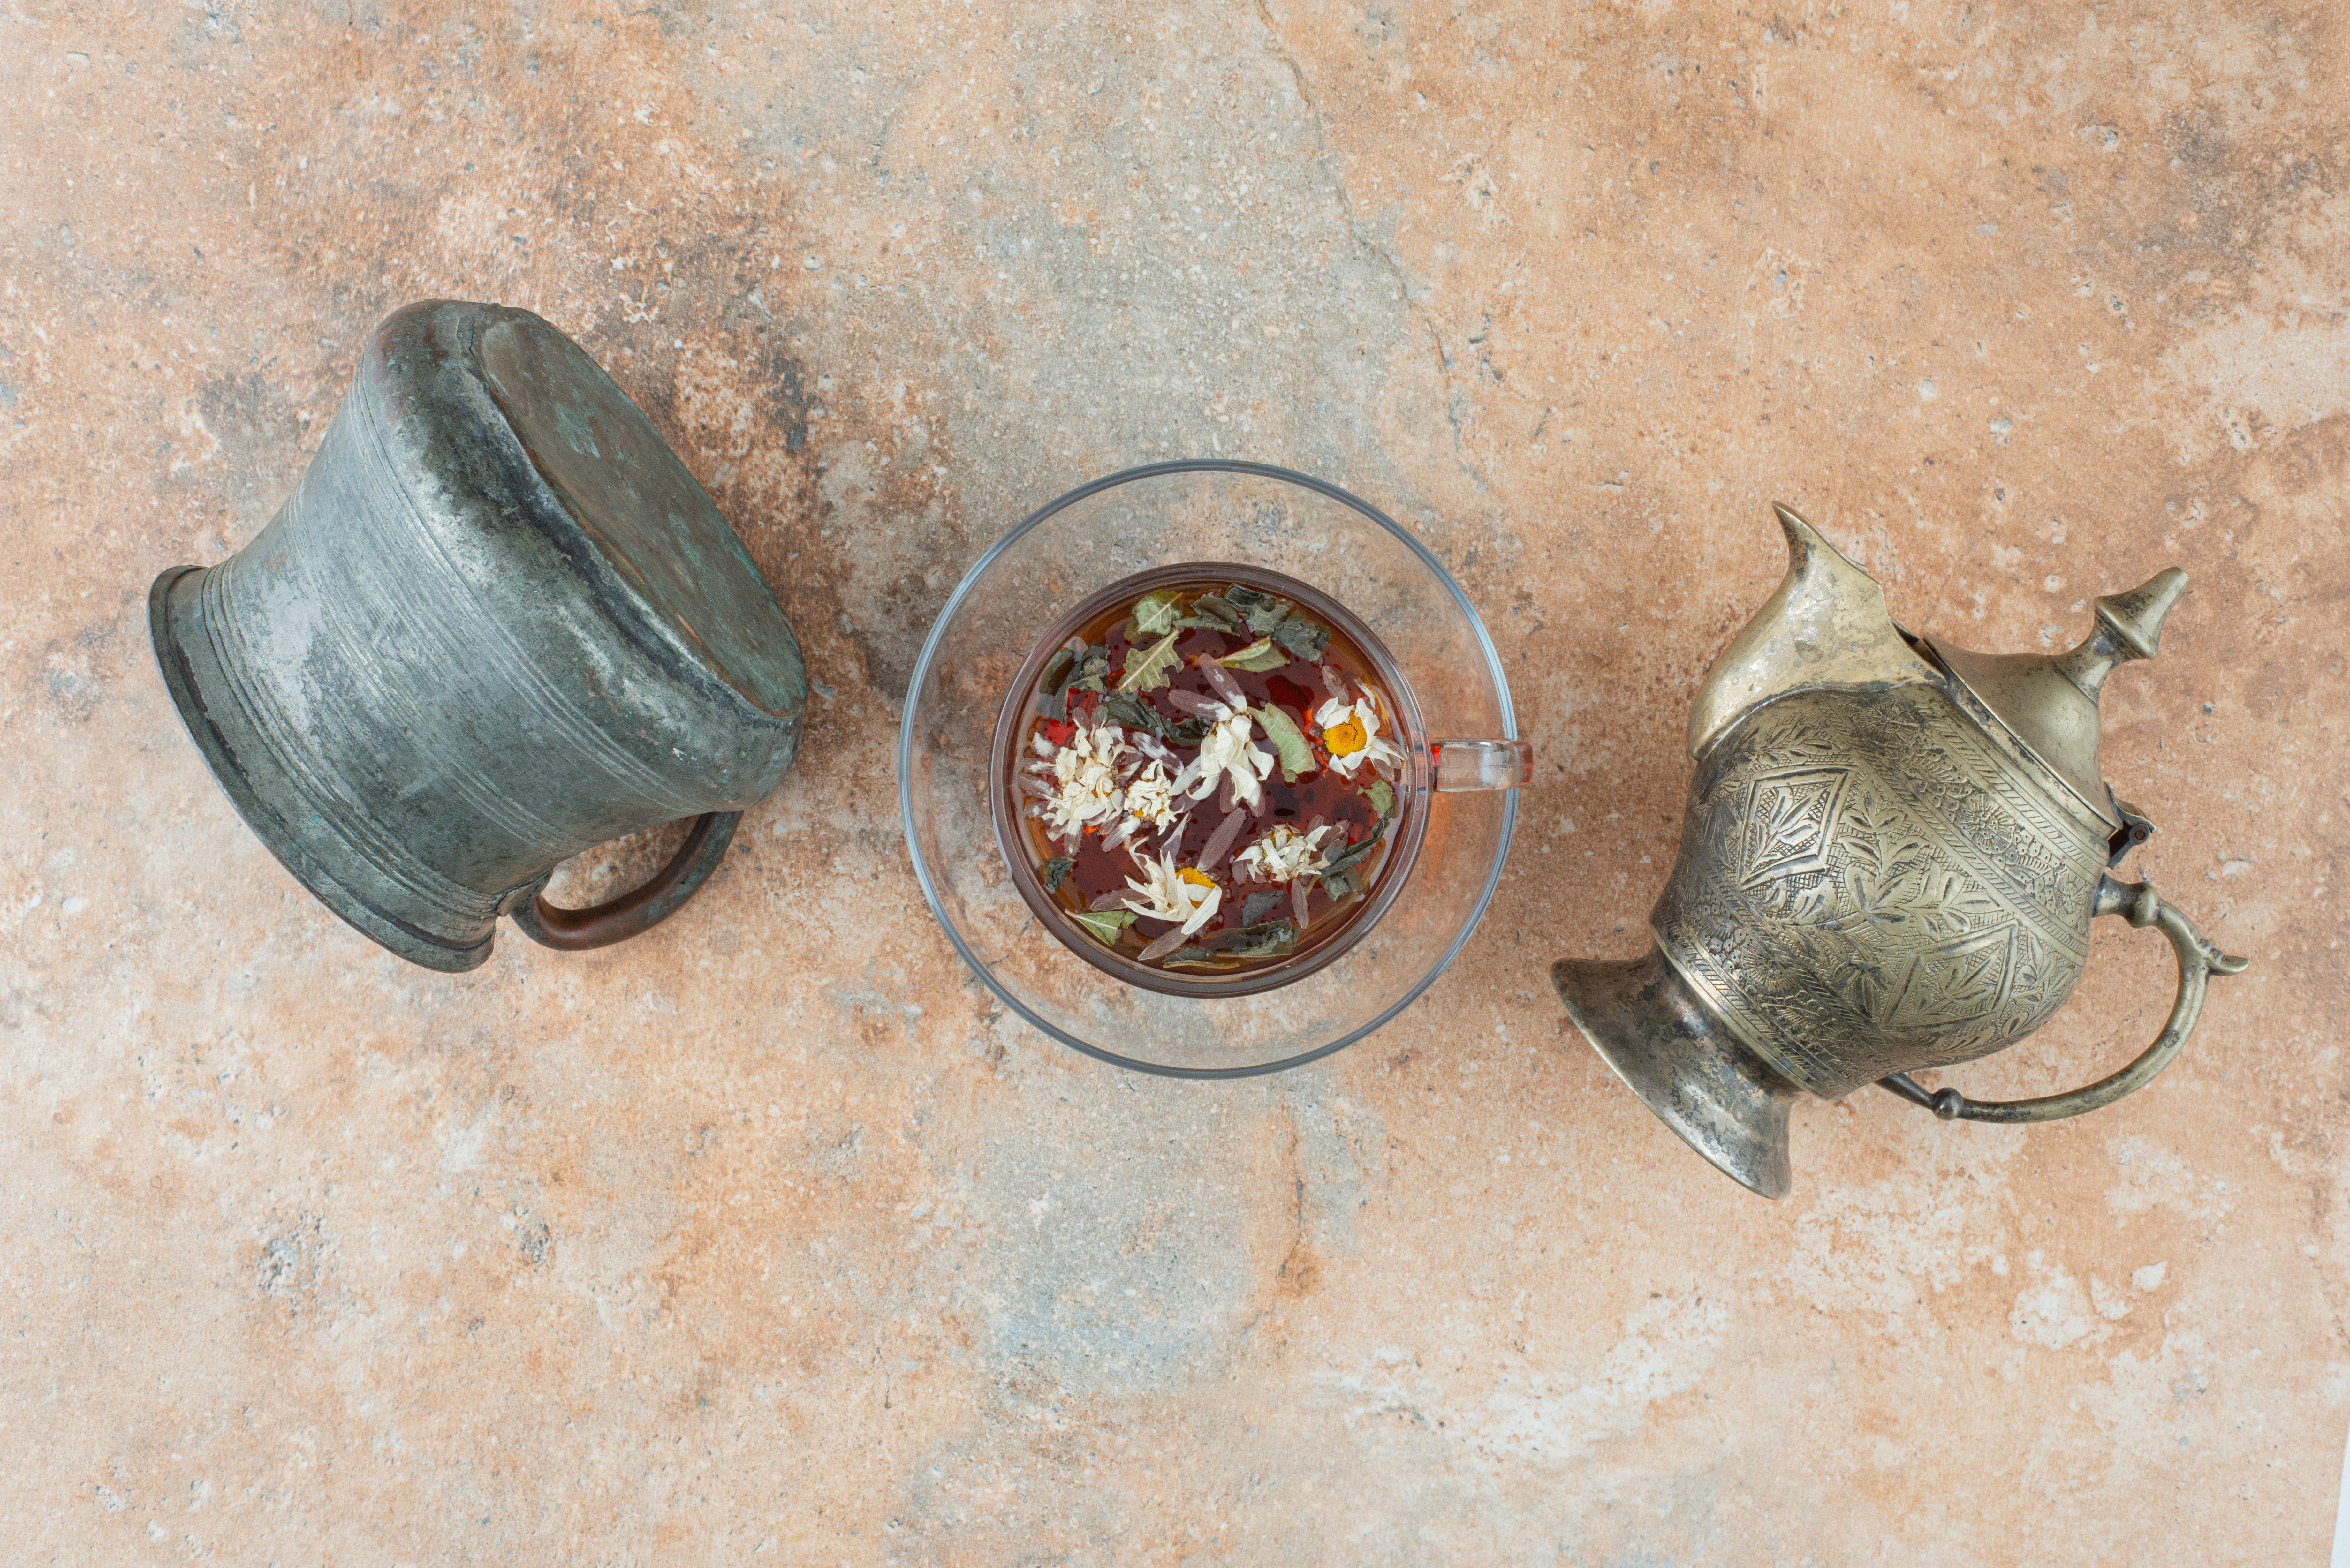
{"x": 1893, "y": 851}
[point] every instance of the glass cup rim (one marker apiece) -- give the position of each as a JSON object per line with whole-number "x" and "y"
{"x": 1413, "y": 789}
{"x": 970, "y": 579}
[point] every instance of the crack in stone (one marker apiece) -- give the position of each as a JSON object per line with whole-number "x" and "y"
{"x": 1296, "y": 1229}
{"x": 1338, "y": 161}
{"x": 1444, "y": 363}
{"x": 1385, "y": 257}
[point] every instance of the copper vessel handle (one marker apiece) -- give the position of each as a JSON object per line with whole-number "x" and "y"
{"x": 639, "y": 909}
{"x": 2199, "y": 961}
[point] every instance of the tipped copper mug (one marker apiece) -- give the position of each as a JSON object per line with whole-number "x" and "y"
{"x": 498, "y": 623}
{"x": 1893, "y": 851}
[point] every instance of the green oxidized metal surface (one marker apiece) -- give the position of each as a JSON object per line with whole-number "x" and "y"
{"x": 496, "y": 623}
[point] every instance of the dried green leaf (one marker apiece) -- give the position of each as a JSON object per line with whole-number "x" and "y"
{"x": 1261, "y": 610}
{"x": 1257, "y": 906}
{"x": 1147, "y": 671}
{"x": 1287, "y": 739}
{"x": 1344, "y": 885}
{"x": 1103, "y": 924}
{"x": 1055, "y": 871}
{"x": 1381, "y": 797}
{"x": 1155, "y": 613}
{"x": 1257, "y": 657}
{"x": 1188, "y": 730}
{"x": 1303, "y": 638}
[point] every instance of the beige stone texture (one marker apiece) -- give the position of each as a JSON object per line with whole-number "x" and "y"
{"x": 767, "y": 1237}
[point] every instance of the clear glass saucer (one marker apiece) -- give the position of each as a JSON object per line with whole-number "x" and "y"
{"x": 1160, "y": 515}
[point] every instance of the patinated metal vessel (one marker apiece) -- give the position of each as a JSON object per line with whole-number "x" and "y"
{"x": 498, "y": 623}
{"x": 1892, "y": 852}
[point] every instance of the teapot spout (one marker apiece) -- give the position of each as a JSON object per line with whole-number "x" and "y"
{"x": 1670, "y": 1050}
{"x": 1825, "y": 628}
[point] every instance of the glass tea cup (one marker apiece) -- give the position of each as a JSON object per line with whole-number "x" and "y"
{"x": 1455, "y": 787}
{"x": 1351, "y": 646}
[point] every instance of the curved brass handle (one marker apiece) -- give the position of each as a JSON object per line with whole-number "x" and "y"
{"x": 2199, "y": 961}
{"x": 639, "y": 909}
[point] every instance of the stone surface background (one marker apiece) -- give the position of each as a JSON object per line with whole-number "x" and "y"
{"x": 766, "y": 1238}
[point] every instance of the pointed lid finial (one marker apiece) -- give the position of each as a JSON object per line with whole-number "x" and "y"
{"x": 2129, "y": 625}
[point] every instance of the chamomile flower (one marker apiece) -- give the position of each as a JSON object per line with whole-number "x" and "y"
{"x": 1225, "y": 750}
{"x": 1083, "y": 777}
{"x": 1187, "y": 895}
{"x": 1350, "y": 733}
{"x": 1151, "y": 797}
{"x": 1283, "y": 855}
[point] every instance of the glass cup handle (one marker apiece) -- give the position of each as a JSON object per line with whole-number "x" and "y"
{"x": 1483, "y": 764}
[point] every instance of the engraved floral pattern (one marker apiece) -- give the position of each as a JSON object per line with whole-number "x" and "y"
{"x": 1864, "y": 889}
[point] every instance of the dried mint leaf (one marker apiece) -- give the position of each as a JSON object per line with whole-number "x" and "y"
{"x": 1188, "y": 731}
{"x": 1257, "y": 906}
{"x": 1052, "y": 691}
{"x": 1302, "y": 637}
{"x": 1257, "y": 657}
{"x": 1134, "y": 713}
{"x": 1103, "y": 924}
{"x": 1261, "y": 611}
{"x": 1267, "y": 941}
{"x": 1091, "y": 670}
{"x": 1354, "y": 853}
{"x": 1209, "y": 609}
{"x": 1155, "y": 613}
{"x": 1147, "y": 671}
{"x": 1056, "y": 871}
{"x": 1342, "y": 873}
{"x": 1287, "y": 739}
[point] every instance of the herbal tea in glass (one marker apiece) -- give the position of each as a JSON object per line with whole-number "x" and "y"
{"x": 1205, "y": 779}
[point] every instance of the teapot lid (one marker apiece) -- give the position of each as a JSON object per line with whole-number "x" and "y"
{"x": 2049, "y": 704}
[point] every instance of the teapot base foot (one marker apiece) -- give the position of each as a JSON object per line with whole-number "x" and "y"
{"x": 1723, "y": 1101}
